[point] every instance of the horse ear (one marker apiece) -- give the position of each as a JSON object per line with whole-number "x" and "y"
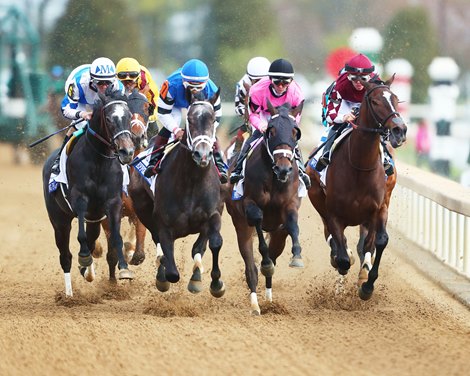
{"x": 216, "y": 96}
{"x": 390, "y": 80}
{"x": 297, "y": 109}
{"x": 271, "y": 108}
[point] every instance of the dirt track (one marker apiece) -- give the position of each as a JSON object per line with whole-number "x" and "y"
{"x": 409, "y": 327}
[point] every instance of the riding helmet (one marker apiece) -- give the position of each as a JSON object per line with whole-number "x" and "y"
{"x": 359, "y": 64}
{"x": 195, "y": 70}
{"x": 257, "y": 67}
{"x": 128, "y": 65}
{"x": 281, "y": 68}
{"x": 102, "y": 69}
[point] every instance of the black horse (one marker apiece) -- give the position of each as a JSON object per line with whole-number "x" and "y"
{"x": 186, "y": 200}
{"x": 94, "y": 177}
{"x": 270, "y": 201}
{"x": 356, "y": 191}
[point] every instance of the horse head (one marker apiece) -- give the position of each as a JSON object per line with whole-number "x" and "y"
{"x": 140, "y": 109}
{"x": 381, "y": 113}
{"x": 200, "y": 128}
{"x": 281, "y": 138}
{"x": 112, "y": 113}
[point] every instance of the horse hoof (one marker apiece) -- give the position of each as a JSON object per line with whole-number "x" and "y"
{"x": 255, "y": 312}
{"x": 267, "y": 270}
{"x": 98, "y": 251}
{"x": 88, "y": 273}
{"x": 195, "y": 287}
{"x": 363, "y": 277}
{"x": 364, "y": 295}
{"x": 296, "y": 262}
{"x": 352, "y": 259}
{"x": 343, "y": 271}
{"x": 126, "y": 274}
{"x": 138, "y": 258}
{"x": 85, "y": 260}
{"x": 333, "y": 262}
{"x": 219, "y": 290}
{"x": 162, "y": 286}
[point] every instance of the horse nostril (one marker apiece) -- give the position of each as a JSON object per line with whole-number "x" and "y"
{"x": 197, "y": 154}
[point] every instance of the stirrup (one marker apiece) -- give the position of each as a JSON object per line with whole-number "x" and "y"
{"x": 306, "y": 179}
{"x": 150, "y": 171}
{"x": 235, "y": 177}
{"x": 322, "y": 163}
{"x": 223, "y": 177}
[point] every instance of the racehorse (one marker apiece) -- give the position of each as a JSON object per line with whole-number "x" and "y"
{"x": 270, "y": 201}
{"x": 186, "y": 199}
{"x": 357, "y": 192}
{"x": 135, "y": 255}
{"x": 93, "y": 190}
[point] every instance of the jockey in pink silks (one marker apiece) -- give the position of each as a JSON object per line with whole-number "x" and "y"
{"x": 280, "y": 88}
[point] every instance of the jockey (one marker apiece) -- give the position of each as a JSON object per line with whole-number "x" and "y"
{"x": 81, "y": 90}
{"x": 192, "y": 77}
{"x": 343, "y": 101}
{"x": 256, "y": 69}
{"x": 279, "y": 88}
{"x": 133, "y": 75}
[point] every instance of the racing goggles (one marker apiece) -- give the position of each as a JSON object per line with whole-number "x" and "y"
{"x": 281, "y": 80}
{"x": 197, "y": 86}
{"x": 128, "y": 75}
{"x": 358, "y": 77}
{"x": 102, "y": 83}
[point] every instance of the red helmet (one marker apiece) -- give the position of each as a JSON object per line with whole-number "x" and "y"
{"x": 359, "y": 64}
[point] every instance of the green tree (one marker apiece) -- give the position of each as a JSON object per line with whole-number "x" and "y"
{"x": 90, "y": 29}
{"x": 410, "y": 35}
{"x": 236, "y": 31}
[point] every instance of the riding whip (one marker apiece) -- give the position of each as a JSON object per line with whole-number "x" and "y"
{"x": 72, "y": 124}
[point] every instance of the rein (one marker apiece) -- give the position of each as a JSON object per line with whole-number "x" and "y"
{"x": 110, "y": 141}
{"x": 193, "y": 143}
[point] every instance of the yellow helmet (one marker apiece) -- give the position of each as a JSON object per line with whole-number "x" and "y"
{"x": 128, "y": 68}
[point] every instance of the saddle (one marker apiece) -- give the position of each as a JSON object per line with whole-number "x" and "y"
{"x": 73, "y": 140}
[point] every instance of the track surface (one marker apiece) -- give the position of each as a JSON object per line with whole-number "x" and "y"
{"x": 409, "y": 327}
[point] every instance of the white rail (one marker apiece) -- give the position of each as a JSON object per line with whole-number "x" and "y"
{"x": 433, "y": 212}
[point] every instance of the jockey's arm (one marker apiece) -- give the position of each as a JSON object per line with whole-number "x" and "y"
{"x": 218, "y": 112}
{"x": 240, "y": 95}
{"x": 164, "y": 110}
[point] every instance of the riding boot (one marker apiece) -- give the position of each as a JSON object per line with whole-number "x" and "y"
{"x": 219, "y": 162}
{"x": 388, "y": 160}
{"x": 156, "y": 156}
{"x": 324, "y": 160}
{"x": 55, "y": 169}
{"x": 300, "y": 164}
{"x": 236, "y": 174}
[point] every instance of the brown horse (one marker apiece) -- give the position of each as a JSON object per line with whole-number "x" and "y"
{"x": 186, "y": 199}
{"x": 134, "y": 250}
{"x": 270, "y": 201}
{"x": 357, "y": 191}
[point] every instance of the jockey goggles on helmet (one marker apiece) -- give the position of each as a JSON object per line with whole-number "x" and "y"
{"x": 281, "y": 80}
{"x": 192, "y": 85}
{"x": 128, "y": 76}
{"x": 102, "y": 82}
{"x": 358, "y": 77}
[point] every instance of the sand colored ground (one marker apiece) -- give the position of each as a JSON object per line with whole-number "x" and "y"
{"x": 409, "y": 327}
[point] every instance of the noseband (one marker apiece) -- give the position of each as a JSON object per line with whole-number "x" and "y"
{"x": 109, "y": 142}
{"x": 287, "y": 153}
{"x": 380, "y": 123}
{"x": 192, "y": 143}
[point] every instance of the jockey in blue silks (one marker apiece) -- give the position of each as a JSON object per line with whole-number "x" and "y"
{"x": 192, "y": 77}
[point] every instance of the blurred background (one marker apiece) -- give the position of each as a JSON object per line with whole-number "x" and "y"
{"x": 424, "y": 42}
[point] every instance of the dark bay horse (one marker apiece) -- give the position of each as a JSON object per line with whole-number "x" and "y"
{"x": 134, "y": 247}
{"x": 186, "y": 200}
{"x": 357, "y": 191}
{"x": 93, "y": 190}
{"x": 270, "y": 201}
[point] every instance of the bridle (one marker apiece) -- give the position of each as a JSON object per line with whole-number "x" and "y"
{"x": 108, "y": 140}
{"x": 193, "y": 142}
{"x": 286, "y": 153}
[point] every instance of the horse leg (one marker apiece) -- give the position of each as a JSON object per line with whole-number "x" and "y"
{"x": 277, "y": 242}
{"x": 254, "y": 216}
{"x": 292, "y": 228}
{"x": 217, "y": 287}
{"x": 62, "y": 240}
{"x": 139, "y": 254}
{"x": 116, "y": 243}
{"x": 340, "y": 256}
{"x": 168, "y": 260}
{"x": 92, "y": 233}
{"x": 199, "y": 247}
{"x": 381, "y": 241}
{"x": 84, "y": 255}
{"x": 365, "y": 250}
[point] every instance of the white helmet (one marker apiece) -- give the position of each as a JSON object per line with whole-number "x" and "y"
{"x": 102, "y": 69}
{"x": 258, "y": 67}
